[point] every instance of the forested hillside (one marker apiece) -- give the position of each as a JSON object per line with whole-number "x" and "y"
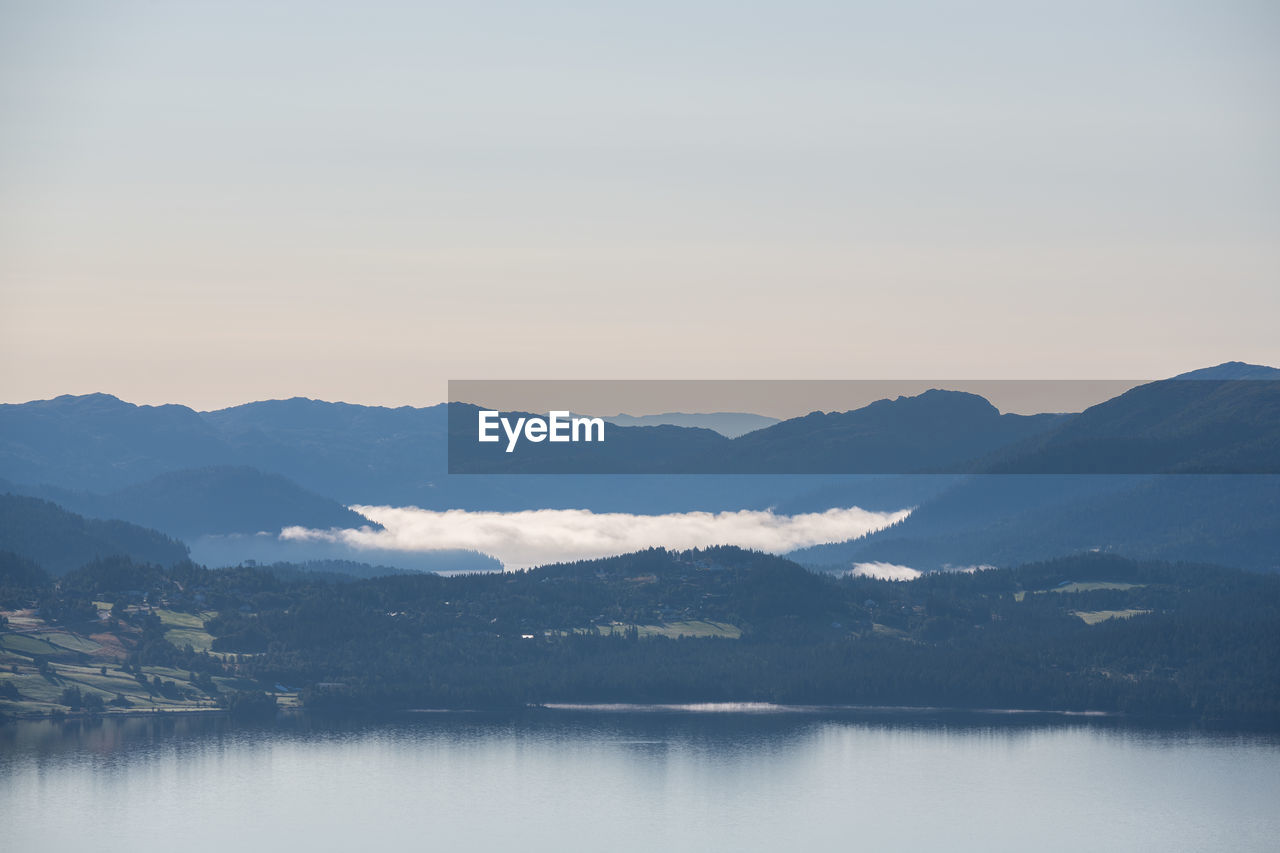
{"x": 1152, "y": 640}
{"x": 60, "y": 541}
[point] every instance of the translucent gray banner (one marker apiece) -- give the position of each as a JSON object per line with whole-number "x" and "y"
{"x": 1193, "y": 424}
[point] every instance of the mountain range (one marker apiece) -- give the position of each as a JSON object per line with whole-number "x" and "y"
{"x": 1179, "y": 467}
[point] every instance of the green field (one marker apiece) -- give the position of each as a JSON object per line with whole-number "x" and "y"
{"x": 1093, "y": 617}
{"x": 68, "y": 641}
{"x": 177, "y": 619}
{"x": 41, "y": 692}
{"x": 1086, "y": 586}
{"x": 187, "y": 628}
{"x": 1092, "y": 585}
{"x": 27, "y": 645}
{"x": 235, "y": 683}
{"x": 696, "y": 628}
{"x": 200, "y": 640}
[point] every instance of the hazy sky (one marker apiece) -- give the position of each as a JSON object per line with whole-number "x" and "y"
{"x": 211, "y": 203}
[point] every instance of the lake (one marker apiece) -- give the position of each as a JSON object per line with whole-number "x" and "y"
{"x": 623, "y": 780}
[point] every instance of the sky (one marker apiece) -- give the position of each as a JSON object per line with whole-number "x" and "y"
{"x": 212, "y": 203}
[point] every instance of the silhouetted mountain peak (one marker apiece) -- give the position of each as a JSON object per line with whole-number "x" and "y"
{"x": 304, "y": 413}
{"x": 98, "y": 398}
{"x": 1233, "y": 370}
{"x": 943, "y": 403}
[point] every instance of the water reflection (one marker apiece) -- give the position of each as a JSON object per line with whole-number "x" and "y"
{"x": 568, "y": 779}
{"x": 140, "y": 736}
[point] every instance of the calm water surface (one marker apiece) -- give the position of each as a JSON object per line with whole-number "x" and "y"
{"x": 565, "y": 780}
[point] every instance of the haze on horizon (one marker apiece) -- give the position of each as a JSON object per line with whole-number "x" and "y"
{"x": 212, "y": 203}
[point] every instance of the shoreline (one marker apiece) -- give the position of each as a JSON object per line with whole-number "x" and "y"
{"x": 891, "y": 714}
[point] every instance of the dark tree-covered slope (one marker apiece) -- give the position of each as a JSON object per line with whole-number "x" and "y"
{"x": 60, "y": 541}
{"x": 1153, "y": 640}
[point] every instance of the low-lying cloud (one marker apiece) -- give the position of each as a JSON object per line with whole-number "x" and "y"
{"x": 537, "y": 537}
{"x": 885, "y": 571}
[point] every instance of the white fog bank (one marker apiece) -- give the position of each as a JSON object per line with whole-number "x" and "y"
{"x": 536, "y": 537}
{"x": 884, "y": 571}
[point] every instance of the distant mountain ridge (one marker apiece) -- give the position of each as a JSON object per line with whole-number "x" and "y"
{"x": 1210, "y": 426}
{"x": 1089, "y": 483}
{"x": 1005, "y": 520}
{"x": 1192, "y": 425}
{"x": 937, "y": 431}
{"x": 301, "y": 461}
{"x": 371, "y": 455}
{"x": 97, "y": 442}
